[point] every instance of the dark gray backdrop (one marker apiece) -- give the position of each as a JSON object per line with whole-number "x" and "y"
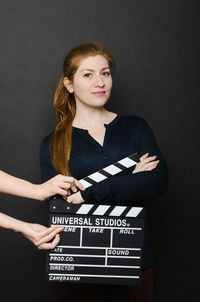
{"x": 155, "y": 44}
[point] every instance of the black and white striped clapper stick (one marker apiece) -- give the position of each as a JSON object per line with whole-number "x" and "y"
{"x": 110, "y": 170}
{"x": 57, "y": 205}
{"x": 110, "y": 210}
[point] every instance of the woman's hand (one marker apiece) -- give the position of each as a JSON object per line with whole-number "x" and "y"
{"x": 147, "y": 163}
{"x": 75, "y": 198}
{"x": 42, "y": 237}
{"x": 60, "y": 184}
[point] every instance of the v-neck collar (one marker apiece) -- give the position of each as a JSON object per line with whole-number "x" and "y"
{"x": 86, "y": 133}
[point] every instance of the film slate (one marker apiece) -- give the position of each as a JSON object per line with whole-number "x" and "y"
{"x": 100, "y": 244}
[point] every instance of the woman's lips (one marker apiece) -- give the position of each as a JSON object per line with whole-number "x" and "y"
{"x": 99, "y": 93}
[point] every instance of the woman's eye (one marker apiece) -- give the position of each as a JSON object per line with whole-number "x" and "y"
{"x": 87, "y": 75}
{"x": 106, "y": 73}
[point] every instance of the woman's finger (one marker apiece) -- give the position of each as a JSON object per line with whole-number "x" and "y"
{"x": 74, "y": 189}
{"x": 144, "y": 156}
{"x": 47, "y": 237}
{"x": 49, "y": 230}
{"x": 77, "y": 201}
{"x": 78, "y": 184}
{"x": 148, "y": 159}
{"x": 150, "y": 166}
{"x": 145, "y": 166}
{"x": 49, "y": 245}
{"x": 73, "y": 185}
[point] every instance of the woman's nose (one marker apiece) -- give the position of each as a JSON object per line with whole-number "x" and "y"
{"x": 99, "y": 81}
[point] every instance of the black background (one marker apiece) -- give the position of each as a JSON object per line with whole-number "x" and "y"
{"x": 155, "y": 45}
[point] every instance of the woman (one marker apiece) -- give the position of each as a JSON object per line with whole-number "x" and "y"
{"x": 42, "y": 237}
{"x": 87, "y": 137}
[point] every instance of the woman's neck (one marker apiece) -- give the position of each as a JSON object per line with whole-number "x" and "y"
{"x": 92, "y": 117}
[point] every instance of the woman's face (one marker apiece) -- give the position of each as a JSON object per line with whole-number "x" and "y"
{"x": 92, "y": 82}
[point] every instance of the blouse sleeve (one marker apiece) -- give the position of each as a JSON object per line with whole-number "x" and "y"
{"x": 134, "y": 187}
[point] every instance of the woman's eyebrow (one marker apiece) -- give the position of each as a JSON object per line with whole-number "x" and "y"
{"x": 88, "y": 69}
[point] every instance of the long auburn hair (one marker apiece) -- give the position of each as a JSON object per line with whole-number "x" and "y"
{"x": 65, "y": 105}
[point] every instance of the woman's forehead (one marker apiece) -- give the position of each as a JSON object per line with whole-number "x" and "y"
{"x": 93, "y": 62}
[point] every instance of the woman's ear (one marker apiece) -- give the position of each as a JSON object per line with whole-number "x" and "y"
{"x": 68, "y": 84}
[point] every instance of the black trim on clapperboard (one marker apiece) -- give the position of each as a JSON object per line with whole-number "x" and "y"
{"x": 91, "y": 181}
{"x": 134, "y": 157}
{"x": 106, "y": 174}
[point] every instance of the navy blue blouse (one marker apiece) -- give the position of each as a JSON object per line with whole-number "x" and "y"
{"x": 124, "y": 136}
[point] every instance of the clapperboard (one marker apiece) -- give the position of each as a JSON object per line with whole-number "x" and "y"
{"x": 100, "y": 244}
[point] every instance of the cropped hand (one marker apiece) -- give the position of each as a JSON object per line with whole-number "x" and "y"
{"x": 42, "y": 237}
{"x": 147, "y": 163}
{"x": 60, "y": 184}
{"x": 75, "y": 198}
